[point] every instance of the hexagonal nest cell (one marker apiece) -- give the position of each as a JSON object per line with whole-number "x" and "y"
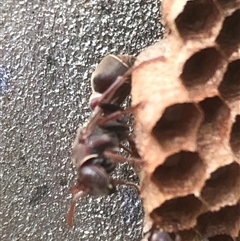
{"x": 177, "y": 123}
{"x": 201, "y": 67}
{"x": 223, "y": 187}
{"x": 182, "y": 210}
{"x": 197, "y": 17}
{"x": 230, "y": 85}
{"x": 182, "y": 169}
{"x": 213, "y": 133}
{"x": 191, "y": 151}
{"x": 225, "y": 221}
{"x": 229, "y": 37}
{"x": 214, "y": 110}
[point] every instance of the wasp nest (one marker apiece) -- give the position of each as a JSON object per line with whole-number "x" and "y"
{"x": 188, "y": 127}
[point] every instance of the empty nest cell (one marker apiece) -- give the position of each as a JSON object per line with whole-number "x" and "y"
{"x": 182, "y": 211}
{"x": 229, "y": 37}
{"x": 226, "y": 221}
{"x": 235, "y": 138}
{"x": 223, "y": 187}
{"x": 214, "y": 110}
{"x": 178, "y": 122}
{"x": 215, "y": 127}
{"x": 213, "y": 135}
{"x": 230, "y": 85}
{"x": 181, "y": 174}
{"x": 198, "y": 17}
{"x": 201, "y": 67}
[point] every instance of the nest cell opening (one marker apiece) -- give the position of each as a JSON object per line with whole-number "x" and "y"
{"x": 229, "y": 37}
{"x": 197, "y": 17}
{"x": 180, "y": 174}
{"x": 235, "y": 138}
{"x": 215, "y": 111}
{"x": 221, "y": 222}
{"x": 230, "y": 86}
{"x": 176, "y": 124}
{"x": 182, "y": 211}
{"x": 222, "y": 182}
{"x": 200, "y": 67}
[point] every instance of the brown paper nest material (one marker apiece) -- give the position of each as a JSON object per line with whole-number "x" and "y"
{"x": 188, "y": 126}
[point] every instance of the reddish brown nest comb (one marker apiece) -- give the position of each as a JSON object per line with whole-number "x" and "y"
{"x": 188, "y": 130}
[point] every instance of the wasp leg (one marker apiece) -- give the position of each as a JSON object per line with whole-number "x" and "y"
{"x": 105, "y": 97}
{"x": 118, "y": 158}
{"x": 118, "y": 114}
{"x": 109, "y": 93}
{"x": 121, "y": 182}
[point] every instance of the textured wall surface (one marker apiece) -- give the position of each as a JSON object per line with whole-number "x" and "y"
{"x": 50, "y": 49}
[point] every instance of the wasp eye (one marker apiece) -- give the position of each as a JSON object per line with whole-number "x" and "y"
{"x": 111, "y": 188}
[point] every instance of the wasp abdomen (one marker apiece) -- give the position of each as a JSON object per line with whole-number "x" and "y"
{"x": 106, "y": 73}
{"x": 109, "y": 69}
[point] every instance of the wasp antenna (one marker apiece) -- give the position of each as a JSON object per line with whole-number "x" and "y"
{"x": 72, "y": 206}
{"x": 70, "y": 214}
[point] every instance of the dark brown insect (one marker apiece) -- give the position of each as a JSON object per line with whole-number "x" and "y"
{"x": 95, "y": 148}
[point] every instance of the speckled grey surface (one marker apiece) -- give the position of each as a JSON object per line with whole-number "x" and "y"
{"x": 49, "y": 50}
